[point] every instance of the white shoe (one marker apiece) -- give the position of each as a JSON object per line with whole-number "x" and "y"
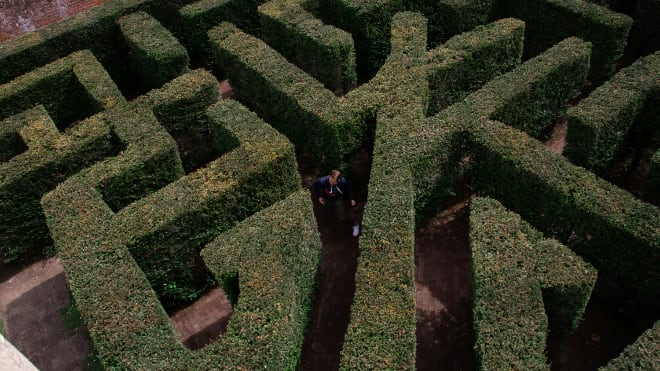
{"x": 356, "y": 230}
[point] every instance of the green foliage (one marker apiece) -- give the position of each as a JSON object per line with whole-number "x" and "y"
{"x": 646, "y": 29}
{"x": 289, "y": 99}
{"x": 453, "y": 17}
{"x": 534, "y": 94}
{"x": 521, "y": 96}
{"x": 511, "y": 264}
{"x": 550, "y": 21}
{"x": 641, "y": 355}
{"x": 155, "y": 54}
{"x": 369, "y": 22}
{"x": 652, "y": 181}
{"x": 325, "y": 52}
{"x": 154, "y": 239}
{"x": 196, "y": 19}
{"x": 49, "y": 156}
{"x": 599, "y": 124}
{"x": 94, "y": 29}
{"x": 607, "y": 226}
{"x": 467, "y": 61}
{"x": 129, "y": 228}
{"x": 231, "y": 287}
{"x": 383, "y": 310}
{"x": 71, "y": 316}
{"x": 70, "y": 89}
{"x": 275, "y": 255}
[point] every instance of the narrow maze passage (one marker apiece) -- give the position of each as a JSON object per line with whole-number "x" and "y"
{"x": 442, "y": 282}
{"x": 331, "y": 309}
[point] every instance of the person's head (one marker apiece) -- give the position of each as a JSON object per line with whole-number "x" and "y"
{"x": 333, "y": 177}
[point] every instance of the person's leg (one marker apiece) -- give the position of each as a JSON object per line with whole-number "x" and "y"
{"x": 342, "y": 215}
{"x": 346, "y": 217}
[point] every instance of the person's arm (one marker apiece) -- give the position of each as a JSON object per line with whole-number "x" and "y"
{"x": 347, "y": 188}
{"x": 317, "y": 189}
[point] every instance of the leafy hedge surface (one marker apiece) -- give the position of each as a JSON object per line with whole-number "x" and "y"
{"x": 452, "y": 17}
{"x": 599, "y": 123}
{"x": 140, "y": 201}
{"x": 528, "y": 97}
{"x": 155, "y": 54}
{"x": 415, "y": 158}
{"x": 310, "y": 115}
{"x": 93, "y": 29}
{"x": 652, "y": 181}
{"x": 71, "y": 88}
{"x": 276, "y": 254}
{"x": 538, "y": 92}
{"x": 294, "y": 102}
{"x": 323, "y": 127}
{"x": 325, "y": 52}
{"x": 549, "y": 21}
{"x": 467, "y": 61}
{"x": 196, "y": 19}
{"x": 113, "y": 295}
{"x": 514, "y": 271}
{"x": 607, "y": 226}
{"x": 171, "y": 249}
{"x": 381, "y": 332}
{"x": 642, "y": 355}
{"x": 368, "y": 21}
{"x": 646, "y": 30}
{"x": 101, "y": 250}
{"x": 35, "y": 155}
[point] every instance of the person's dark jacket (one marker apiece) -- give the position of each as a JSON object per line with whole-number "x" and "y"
{"x": 321, "y": 188}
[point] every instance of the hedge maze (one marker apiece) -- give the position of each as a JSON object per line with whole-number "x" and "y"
{"x": 119, "y": 156}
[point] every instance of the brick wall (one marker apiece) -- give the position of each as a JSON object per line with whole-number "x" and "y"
{"x": 21, "y": 16}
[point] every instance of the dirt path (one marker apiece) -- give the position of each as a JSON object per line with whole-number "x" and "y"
{"x": 331, "y": 309}
{"x": 204, "y": 320}
{"x": 442, "y": 280}
{"x": 557, "y": 140}
{"x": 31, "y": 305}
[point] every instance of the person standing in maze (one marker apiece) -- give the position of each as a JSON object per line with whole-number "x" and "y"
{"x": 332, "y": 191}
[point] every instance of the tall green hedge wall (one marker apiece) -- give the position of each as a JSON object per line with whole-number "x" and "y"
{"x": 155, "y": 54}
{"x": 646, "y": 31}
{"x": 652, "y": 181}
{"x": 518, "y": 276}
{"x": 641, "y": 355}
{"x": 165, "y": 227}
{"x": 599, "y": 124}
{"x": 129, "y": 212}
{"x": 469, "y": 60}
{"x": 549, "y": 21}
{"x": 37, "y": 154}
{"x": 383, "y": 311}
{"x": 276, "y": 255}
{"x": 325, "y": 52}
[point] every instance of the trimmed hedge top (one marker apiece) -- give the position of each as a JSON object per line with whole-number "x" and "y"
{"x": 511, "y": 265}
{"x": 599, "y": 123}
{"x": 126, "y": 321}
{"x": 127, "y": 224}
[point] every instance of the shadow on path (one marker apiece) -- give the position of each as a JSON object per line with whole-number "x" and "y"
{"x": 35, "y": 307}
{"x": 331, "y": 308}
{"x": 442, "y": 282}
